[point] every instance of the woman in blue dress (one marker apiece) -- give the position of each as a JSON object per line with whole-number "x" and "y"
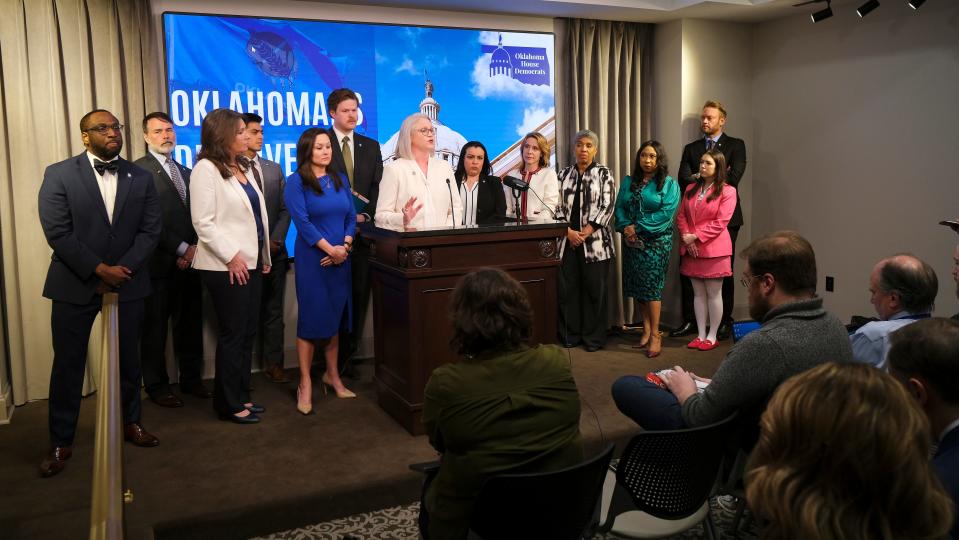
{"x": 320, "y": 203}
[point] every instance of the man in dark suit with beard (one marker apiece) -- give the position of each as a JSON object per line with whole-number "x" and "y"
{"x": 362, "y": 160}
{"x": 176, "y": 287}
{"x": 101, "y": 216}
{"x": 713, "y": 119}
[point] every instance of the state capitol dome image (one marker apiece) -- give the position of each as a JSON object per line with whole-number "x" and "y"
{"x": 448, "y": 142}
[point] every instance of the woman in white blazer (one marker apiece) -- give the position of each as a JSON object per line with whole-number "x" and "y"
{"x": 536, "y": 172}
{"x": 417, "y": 190}
{"x": 229, "y": 215}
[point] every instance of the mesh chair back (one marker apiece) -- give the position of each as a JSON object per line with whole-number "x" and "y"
{"x": 669, "y": 474}
{"x": 557, "y": 505}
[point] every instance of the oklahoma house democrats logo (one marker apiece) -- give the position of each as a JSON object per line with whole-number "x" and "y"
{"x": 527, "y": 65}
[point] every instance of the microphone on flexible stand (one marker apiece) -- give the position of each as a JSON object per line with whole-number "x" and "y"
{"x": 517, "y": 186}
{"x": 548, "y": 209}
{"x": 452, "y": 208}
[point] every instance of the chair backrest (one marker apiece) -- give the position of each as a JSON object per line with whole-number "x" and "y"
{"x": 669, "y": 474}
{"x": 557, "y": 505}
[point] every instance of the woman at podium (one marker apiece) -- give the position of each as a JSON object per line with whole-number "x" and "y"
{"x": 535, "y": 171}
{"x": 417, "y": 190}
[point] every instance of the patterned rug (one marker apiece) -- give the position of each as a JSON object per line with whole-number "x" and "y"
{"x": 399, "y": 523}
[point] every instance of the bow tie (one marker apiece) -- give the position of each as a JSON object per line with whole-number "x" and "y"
{"x": 100, "y": 166}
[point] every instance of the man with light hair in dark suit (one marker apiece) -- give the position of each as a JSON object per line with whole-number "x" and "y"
{"x": 272, "y": 181}
{"x": 362, "y": 161}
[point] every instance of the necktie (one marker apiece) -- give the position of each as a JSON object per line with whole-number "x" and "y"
{"x": 709, "y": 144}
{"x": 256, "y": 175}
{"x": 177, "y": 179}
{"x": 100, "y": 166}
{"x": 348, "y": 158}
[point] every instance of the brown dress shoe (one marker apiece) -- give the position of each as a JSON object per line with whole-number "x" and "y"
{"x": 197, "y": 390}
{"x": 135, "y": 433}
{"x": 276, "y": 374}
{"x": 55, "y": 460}
{"x": 166, "y": 399}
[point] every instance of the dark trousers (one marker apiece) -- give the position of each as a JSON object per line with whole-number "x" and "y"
{"x": 583, "y": 300}
{"x": 70, "y": 325}
{"x": 237, "y": 308}
{"x": 729, "y": 288}
{"x": 271, "y": 314}
{"x": 178, "y": 296}
{"x": 650, "y": 406}
{"x": 360, "y": 270}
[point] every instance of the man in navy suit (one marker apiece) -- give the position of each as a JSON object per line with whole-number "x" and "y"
{"x": 101, "y": 216}
{"x": 923, "y": 357}
{"x": 177, "y": 293}
{"x": 713, "y": 120}
{"x": 360, "y": 157}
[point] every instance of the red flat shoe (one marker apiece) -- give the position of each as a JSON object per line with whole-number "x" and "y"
{"x": 695, "y": 344}
{"x": 708, "y": 345}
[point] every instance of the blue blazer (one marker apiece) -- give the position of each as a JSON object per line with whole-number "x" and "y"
{"x": 946, "y": 462}
{"x": 75, "y": 223}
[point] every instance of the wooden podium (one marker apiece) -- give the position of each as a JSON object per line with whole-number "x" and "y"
{"x": 413, "y": 275}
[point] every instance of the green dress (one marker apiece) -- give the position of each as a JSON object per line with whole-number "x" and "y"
{"x": 506, "y": 411}
{"x": 651, "y": 211}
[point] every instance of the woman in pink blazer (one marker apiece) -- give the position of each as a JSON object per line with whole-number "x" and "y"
{"x": 706, "y": 248}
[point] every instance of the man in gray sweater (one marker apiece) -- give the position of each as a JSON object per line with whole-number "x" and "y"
{"x": 796, "y": 334}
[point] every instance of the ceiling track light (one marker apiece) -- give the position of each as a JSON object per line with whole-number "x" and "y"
{"x": 823, "y": 14}
{"x": 914, "y": 4}
{"x": 867, "y": 7}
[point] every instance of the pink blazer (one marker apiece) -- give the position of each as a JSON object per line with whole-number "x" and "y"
{"x": 707, "y": 220}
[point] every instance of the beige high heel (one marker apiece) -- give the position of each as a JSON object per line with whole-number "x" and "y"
{"x": 345, "y": 394}
{"x": 304, "y": 409}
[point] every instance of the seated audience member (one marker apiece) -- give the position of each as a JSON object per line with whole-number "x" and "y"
{"x": 843, "y": 455}
{"x": 955, "y": 273}
{"x": 903, "y": 290}
{"x": 504, "y": 408}
{"x": 924, "y": 358}
{"x": 796, "y": 334}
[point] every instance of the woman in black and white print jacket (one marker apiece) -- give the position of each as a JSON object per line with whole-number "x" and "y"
{"x": 587, "y": 200}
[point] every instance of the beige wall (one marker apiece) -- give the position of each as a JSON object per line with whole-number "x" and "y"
{"x": 854, "y": 141}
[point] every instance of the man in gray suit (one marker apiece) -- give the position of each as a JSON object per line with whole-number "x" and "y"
{"x": 272, "y": 182}
{"x": 177, "y": 293}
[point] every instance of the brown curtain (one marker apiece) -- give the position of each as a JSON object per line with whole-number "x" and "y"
{"x": 606, "y": 87}
{"x": 59, "y": 60}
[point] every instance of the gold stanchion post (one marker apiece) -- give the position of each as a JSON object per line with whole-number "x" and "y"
{"x": 106, "y": 516}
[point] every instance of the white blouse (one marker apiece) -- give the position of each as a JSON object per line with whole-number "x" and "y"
{"x": 435, "y": 191}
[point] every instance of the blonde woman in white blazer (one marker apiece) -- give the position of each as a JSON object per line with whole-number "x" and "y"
{"x": 541, "y": 178}
{"x": 230, "y": 218}
{"x": 417, "y": 190}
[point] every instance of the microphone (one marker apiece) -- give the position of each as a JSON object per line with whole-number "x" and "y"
{"x": 548, "y": 209}
{"x": 515, "y": 183}
{"x": 452, "y": 208}
{"x": 696, "y": 176}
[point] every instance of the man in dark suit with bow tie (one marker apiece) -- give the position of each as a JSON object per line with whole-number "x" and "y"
{"x": 177, "y": 293}
{"x": 362, "y": 160}
{"x": 713, "y": 120}
{"x": 272, "y": 182}
{"x": 101, "y": 216}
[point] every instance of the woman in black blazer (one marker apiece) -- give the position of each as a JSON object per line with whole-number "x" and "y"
{"x": 482, "y": 193}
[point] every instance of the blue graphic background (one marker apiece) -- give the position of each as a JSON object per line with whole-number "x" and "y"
{"x": 386, "y": 65}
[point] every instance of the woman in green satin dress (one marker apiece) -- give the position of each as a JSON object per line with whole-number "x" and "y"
{"x": 645, "y": 207}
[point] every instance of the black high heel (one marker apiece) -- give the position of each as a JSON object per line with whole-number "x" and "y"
{"x": 248, "y": 419}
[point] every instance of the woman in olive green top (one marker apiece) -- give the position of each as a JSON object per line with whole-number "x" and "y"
{"x": 645, "y": 207}
{"x": 505, "y": 408}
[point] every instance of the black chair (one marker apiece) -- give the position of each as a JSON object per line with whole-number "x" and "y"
{"x": 662, "y": 483}
{"x": 559, "y": 505}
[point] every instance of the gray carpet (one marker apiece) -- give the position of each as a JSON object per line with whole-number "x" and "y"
{"x": 399, "y": 522}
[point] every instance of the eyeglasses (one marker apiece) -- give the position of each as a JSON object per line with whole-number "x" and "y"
{"x": 426, "y": 131}
{"x": 103, "y": 129}
{"x": 745, "y": 280}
